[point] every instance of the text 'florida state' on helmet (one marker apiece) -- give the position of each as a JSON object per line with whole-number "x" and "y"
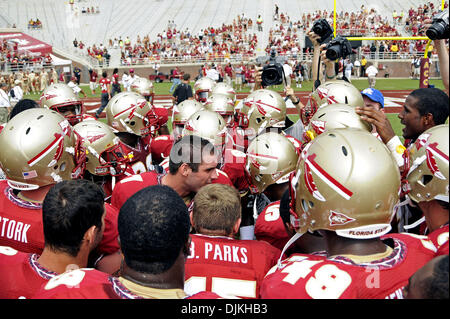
{"x": 61, "y": 98}
{"x": 130, "y": 112}
{"x": 346, "y": 181}
{"x": 271, "y": 157}
{"x": 38, "y": 148}
{"x": 427, "y": 166}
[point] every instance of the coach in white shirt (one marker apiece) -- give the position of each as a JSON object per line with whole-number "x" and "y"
{"x": 18, "y": 93}
{"x": 287, "y": 73}
{"x": 371, "y": 73}
{"x": 5, "y": 105}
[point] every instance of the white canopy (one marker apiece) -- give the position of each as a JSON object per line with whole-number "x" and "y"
{"x": 58, "y": 61}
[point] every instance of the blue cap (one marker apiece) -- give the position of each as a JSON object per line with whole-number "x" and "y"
{"x": 374, "y": 95}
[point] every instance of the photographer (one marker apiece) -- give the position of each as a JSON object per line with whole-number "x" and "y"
{"x": 442, "y": 51}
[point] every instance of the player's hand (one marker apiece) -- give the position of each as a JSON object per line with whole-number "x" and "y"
{"x": 258, "y": 77}
{"x": 379, "y": 119}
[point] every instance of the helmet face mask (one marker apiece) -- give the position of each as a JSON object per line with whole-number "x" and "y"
{"x": 112, "y": 161}
{"x": 336, "y": 188}
{"x": 426, "y": 167}
{"x": 130, "y": 112}
{"x": 61, "y": 98}
{"x": 203, "y": 88}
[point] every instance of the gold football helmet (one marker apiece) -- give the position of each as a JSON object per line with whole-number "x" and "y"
{"x": 334, "y": 116}
{"x": 208, "y": 125}
{"x": 225, "y": 89}
{"x": 130, "y": 112}
{"x": 331, "y": 92}
{"x": 144, "y": 87}
{"x": 346, "y": 181}
{"x": 61, "y": 98}
{"x": 223, "y": 105}
{"x": 427, "y": 166}
{"x": 38, "y": 148}
{"x": 203, "y": 88}
{"x": 271, "y": 157}
{"x": 262, "y": 109}
{"x": 181, "y": 113}
{"x": 100, "y": 144}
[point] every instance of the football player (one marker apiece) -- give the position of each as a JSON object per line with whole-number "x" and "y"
{"x": 336, "y": 191}
{"x": 39, "y": 149}
{"x": 203, "y": 88}
{"x": 154, "y": 237}
{"x": 61, "y": 98}
{"x": 72, "y": 215}
{"x": 217, "y": 262}
{"x": 426, "y": 182}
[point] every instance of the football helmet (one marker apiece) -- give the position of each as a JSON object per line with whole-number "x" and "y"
{"x": 346, "y": 181}
{"x": 144, "y": 87}
{"x": 427, "y": 166}
{"x": 271, "y": 157}
{"x": 103, "y": 156}
{"x": 39, "y": 148}
{"x": 334, "y": 116}
{"x": 203, "y": 88}
{"x": 208, "y": 125}
{"x": 223, "y": 105}
{"x": 130, "y": 112}
{"x": 225, "y": 89}
{"x": 181, "y": 114}
{"x": 262, "y": 109}
{"x": 61, "y": 98}
{"x": 331, "y": 92}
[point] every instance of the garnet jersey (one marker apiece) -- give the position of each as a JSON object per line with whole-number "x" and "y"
{"x": 89, "y": 283}
{"x": 104, "y": 82}
{"x": 160, "y": 147}
{"x": 234, "y": 166}
{"x": 440, "y": 239}
{"x": 236, "y": 138}
{"x": 318, "y": 277}
{"x": 228, "y": 267}
{"x": 21, "y": 275}
{"x": 269, "y": 226}
{"x": 129, "y": 186}
{"x": 21, "y": 224}
{"x": 139, "y": 157}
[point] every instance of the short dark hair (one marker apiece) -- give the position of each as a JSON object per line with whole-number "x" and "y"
{"x": 104, "y": 74}
{"x": 21, "y": 106}
{"x": 153, "y": 229}
{"x": 433, "y": 101}
{"x": 436, "y": 285}
{"x": 69, "y": 209}
{"x": 188, "y": 149}
{"x": 285, "y": 207}
{"x": 186, "y": 76}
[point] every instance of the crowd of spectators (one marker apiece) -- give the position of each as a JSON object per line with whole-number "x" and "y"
{"x": 34, "y": 24}
{"x": 12, "y": 60}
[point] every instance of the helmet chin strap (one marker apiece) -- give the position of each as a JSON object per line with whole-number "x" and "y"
{"x": 288, "y": 244}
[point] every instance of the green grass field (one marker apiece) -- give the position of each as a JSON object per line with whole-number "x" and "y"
{"x": 381, "y": 84}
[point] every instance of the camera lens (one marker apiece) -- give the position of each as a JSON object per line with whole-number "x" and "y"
{"x": 432, "y": 33}
{"x": 333, "y": 53}
{"x": 317, "y": 29}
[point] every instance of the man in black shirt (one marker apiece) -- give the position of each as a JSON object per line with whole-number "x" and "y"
{"x": 183, "y": 91}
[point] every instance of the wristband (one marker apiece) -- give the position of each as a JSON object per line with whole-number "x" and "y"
{"x": 330, "y": 77}
{"x": 296, "y": 103}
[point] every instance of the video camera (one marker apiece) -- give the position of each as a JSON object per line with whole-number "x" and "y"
{"x": 337, "y": 48}
{"x": 439, "y": 29}
{"x": 272, "y": 73}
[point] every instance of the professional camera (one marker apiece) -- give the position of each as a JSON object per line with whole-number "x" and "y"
{"x": 272, "y": 73}
{"x": 439, "y": 28}
{"x": 337, "y": 48}
{"x": 322, "y": 29}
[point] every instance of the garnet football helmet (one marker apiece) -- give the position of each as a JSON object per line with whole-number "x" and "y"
{"x": 346, "y": 181}
{"x": 427, "y": 166}
{"x": 203, "y": 88}
{"x": 331, "y": 92}
{"x": 103, "y": 157}
{"x": 271, "y": 157}
{"x": 334, "y": 116}
{"x": 223, "y": 105}
{"x": 130, "y": 112}
{"x": 39, "y": 148}
{"x": 61, "y": 98}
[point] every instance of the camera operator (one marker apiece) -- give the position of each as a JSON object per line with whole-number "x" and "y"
{"x": 439, "y": 44}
